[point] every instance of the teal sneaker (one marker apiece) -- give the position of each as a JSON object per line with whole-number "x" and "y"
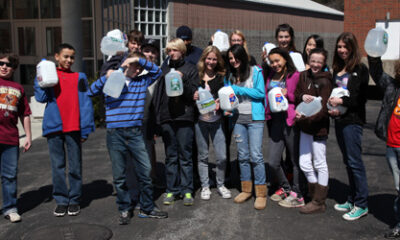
{"x": 344, "y": 207}
{"x": 188, "y": 199}
{"x": 355, "y": 213}
{"x": 169, "y": 199}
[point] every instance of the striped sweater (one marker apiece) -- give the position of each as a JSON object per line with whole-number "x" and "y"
{"x": 128, "y": 109}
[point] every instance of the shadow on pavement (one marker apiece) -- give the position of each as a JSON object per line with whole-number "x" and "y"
{"x": 30, "y": 200}
{"x": 381, "y": 206}
{"x": 95, "y": 190}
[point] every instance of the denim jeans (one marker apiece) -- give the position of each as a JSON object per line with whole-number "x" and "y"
{"x": 178, "y": 141}
{"x": 349, "y": 139}
{"x": 248, "y": 139}
{"x": 56, "y": 142}
{"x": 121, "y": 142}
{"x": 9, "y": 168}
{"x": 203, "y": 132}
{"x": 393, "y": 159}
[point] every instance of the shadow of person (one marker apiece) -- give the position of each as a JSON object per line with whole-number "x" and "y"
{"x": 95, "y": 190}
{"x": 31, "y": 199}
{"x": 381, "y": 207}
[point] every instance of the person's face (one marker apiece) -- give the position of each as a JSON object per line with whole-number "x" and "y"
{"x": 342, "y": 50}
{"x": 236, "y": 39}
{"x": 316, "y": 62}
{"x": 187, "y": 42}
{"x": 284, "y": 39}
{"x": 235, "y": 63}
{"x": 133, "y": 46}
{"x": 175, "y": 54}
{"x": 311, "y": 44}
{"x": 134, "y": 70}
{"x": 5, "y": 71}
{"x": 150, "y": 53}
{"x": 277, "y": 62}
{"x": 211, "y": 61}
{"x": 65, "y": 58}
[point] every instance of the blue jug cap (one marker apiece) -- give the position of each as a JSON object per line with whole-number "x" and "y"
{"x": 43, "y": 59}
{"x": 266, "y": 43}
{"x": 291, "y": 52}
{"x": 218, "y": 30}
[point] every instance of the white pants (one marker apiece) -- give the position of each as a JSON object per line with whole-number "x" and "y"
{"x": 313, "y": 159}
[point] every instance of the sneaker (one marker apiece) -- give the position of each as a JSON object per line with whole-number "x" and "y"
{"x": 169, "y": 199}
{"x": 279, "y": 195}
{"x": 344, "y": 207}
{"x": 13, "y": 217}
{"x": 155, "y": 213}
{"x": 224, "y": 192}
{"x": 124, "y": 217}
{"x": 188, "y": 199}
{"x": 292, "y": 201}
{"x": 60, "y": 210}
{"x": 394, "y": 233}
{"x": 205, "y": 193}
{"x": 355, "y": 213}
{"x": 74, "y": 209}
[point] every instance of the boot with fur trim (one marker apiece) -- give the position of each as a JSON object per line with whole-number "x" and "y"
{"x": 246, "y": 192}
{"x": 318, "y": 202}
{"x": 261, "y": 197}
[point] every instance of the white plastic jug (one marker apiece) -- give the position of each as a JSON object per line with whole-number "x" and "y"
{"x": 298, "y": 61}
{"x": 221, "y": 40}
{"x": 110, "y": 46}
{"x": 266, "y": 48}
{"x": 311, "y": 108}
{"x": 277, "y": 102}
{"x": 376, "y": 42}
{"x": 339, "y": 92}
{"x": 173, "y": 83}
{"x": 114, "y": 84}
{"x": 227, "y": 99}
{"x": 206, "y": 102}
{"x": 46, "y": 74}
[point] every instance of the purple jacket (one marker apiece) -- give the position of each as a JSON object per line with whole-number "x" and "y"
{"x": 291, "y": 84}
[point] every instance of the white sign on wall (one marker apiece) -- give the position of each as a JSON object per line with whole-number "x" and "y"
{"x": 393, "y": 30}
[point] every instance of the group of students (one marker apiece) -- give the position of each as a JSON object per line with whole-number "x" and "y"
{"x": 144, "y": 109}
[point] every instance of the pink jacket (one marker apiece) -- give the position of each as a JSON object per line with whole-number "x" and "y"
{"x": 291, "y": 84}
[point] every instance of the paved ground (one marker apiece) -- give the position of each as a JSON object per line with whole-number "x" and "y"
{"x": 214, "y": 219}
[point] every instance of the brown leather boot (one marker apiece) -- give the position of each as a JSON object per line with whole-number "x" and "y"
{"x": 311, "y": 189}
{"x": 318, "y": 202}
{"x": 246, "y": 192}
{"x": 261, "y": 197}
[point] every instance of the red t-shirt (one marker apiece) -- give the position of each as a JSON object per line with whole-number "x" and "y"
{"x": 393, "y": 139}
{"x": 13, "y": 104}
{"x": 66, "y": 93}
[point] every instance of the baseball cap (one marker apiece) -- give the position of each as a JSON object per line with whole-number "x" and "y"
{"x": 184, "y": 33}
{"x": 150, "y": 42}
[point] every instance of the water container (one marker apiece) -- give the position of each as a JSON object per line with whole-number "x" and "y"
{"x": 376, "y": 42}
{"x": 46, "y": 74}
{"x": 266, "y": 48}
{"x": 110, "y": 46}
{"x": 339, "y": 92}
{"x": 173, "y": 83}
{"x": 114, "y": 84}
{"x": 221, "y": 40}
{"x": 206, "y": 102}
{"x": 277, "y": 102}
{"x": 227, "y": 99}
{"x": 298, "y": 61}
{"x": 311, "y": 108}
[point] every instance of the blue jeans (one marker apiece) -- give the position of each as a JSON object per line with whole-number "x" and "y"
{"x": 203, "y": 132}
{"x": 248, "y": 139}
{"x": 56, "y": 142}
{"x": 393, "y": 159}
{"x": 121, "y": 142}
{"x": 178, "y": 140}
{"x": 9, "y": 168}
{"x": 349, "y": 139}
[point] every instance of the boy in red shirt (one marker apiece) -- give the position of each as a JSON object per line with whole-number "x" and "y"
{"x": 68, "y": 120}
{"x": 13, "y": 105}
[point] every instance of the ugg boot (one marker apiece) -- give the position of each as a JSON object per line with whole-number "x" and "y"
{"x": 311, "y": 189}
{"x": 318, "y": 202}
{"x": 261, "y": 197}
{"x": 246, "y": 192}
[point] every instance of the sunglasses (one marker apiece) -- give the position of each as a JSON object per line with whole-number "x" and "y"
{"x": 5, "y": 63}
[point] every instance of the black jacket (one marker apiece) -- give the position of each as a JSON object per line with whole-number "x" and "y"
{"x": 391, "y": 87}
{"x": 181, "y": 108}
{"x": 357, "y": 86}
{"x": 114, "y": 63}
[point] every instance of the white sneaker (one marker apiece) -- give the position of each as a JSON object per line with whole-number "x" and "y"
{"x": 14, "y": 217}
{"x": 224, "y": 192}
{"x": 205, "y": 193}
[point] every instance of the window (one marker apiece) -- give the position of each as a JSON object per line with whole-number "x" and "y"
{"x": 26, "y": 41}
{"x": 4, "y": 9}
{"x": 25, "y": 9}
{"x": 53, "y": 39}
{"x": 87, "y": 38}
{"x": 50, "y": 9}
{"x": 5, "y": 35}
{"x": 28, "y": 73}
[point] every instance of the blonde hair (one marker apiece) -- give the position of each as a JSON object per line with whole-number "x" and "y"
{"x": 239, "y": 33}
{"x": 176, "y": 44}
{"x": 219, "y": 69}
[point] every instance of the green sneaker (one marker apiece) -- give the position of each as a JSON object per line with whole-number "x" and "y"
{"x": 355, "y": 213}
{"x": 169, "y": 199}
{"x": 188, "y": 199}
{"x": 344, "y": 207}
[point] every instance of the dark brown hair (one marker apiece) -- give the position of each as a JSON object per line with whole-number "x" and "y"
{"x": 354, "y": 57}
{"x": 12, "y": 58}
{"x": 137, "y": 36}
